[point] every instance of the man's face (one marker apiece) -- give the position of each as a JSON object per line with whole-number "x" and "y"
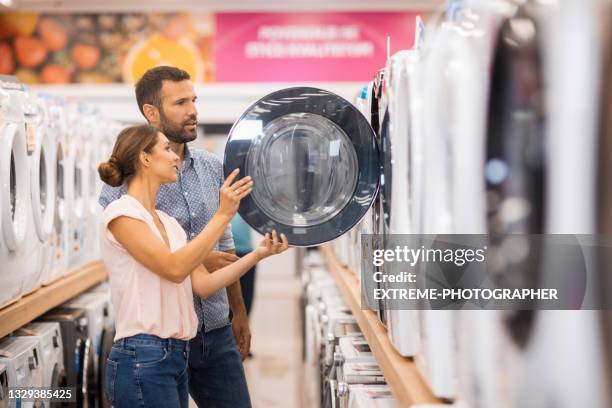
{"x": 178, "y": 115}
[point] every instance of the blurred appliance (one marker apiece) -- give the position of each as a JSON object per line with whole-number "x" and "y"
{"x": 51, "y": 351}
{"x": 101, "y": 334}
{"x": 21, "y": 357}
{"x": 78, "y": 350}
{"x": 4, "y": 387}
{"x": 398, "y": 200}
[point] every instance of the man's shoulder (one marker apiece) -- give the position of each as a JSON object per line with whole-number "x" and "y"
{"x": 204, "y": 156}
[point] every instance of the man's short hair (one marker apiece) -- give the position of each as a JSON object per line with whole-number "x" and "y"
{"x": 148, "y": 88}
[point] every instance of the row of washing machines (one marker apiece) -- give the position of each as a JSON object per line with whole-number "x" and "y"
{"x": 336, "y": 354}
{"x": 66, "y": 347}
{"x": 49, "y": 151}
{"x": 499, "y": 123}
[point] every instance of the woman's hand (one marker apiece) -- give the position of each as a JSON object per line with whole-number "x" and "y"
{"x": 231, "y": 194}
{"x": 271, "y": 246}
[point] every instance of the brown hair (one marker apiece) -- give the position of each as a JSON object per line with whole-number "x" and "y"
{"x": 123, "y": 163}
{"x": 148, "y": 87}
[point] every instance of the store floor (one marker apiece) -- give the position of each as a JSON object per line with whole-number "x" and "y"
{"x": 274, "y": 373}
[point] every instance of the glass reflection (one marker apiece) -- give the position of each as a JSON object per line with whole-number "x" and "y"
{"x": 304, "y": 169}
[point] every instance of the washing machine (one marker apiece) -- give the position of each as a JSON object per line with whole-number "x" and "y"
{"x": 15, "y": 203}
{"x": 61, "y": 220}
{"x": 43, "y": 187}
{"x": 370, "y": 396}
{"x": 101, "y": 334}
{"x": 314, "y": 159}
{"x": 435, "y": 359}
{"x": 604, "y": 199}
{"x": 78, "y": 171}
{"x": 4, "y": 387}
{"x": 78, "y": 350}
{"x": 570, "y": 206}
{"x": 22, "y": 358}
{"x": 42, "y": 177}
{"x": 402, "y": 325}
{"x": 51, "y": 351}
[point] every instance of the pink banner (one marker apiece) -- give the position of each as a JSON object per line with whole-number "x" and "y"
{"x": 281, "y": 47}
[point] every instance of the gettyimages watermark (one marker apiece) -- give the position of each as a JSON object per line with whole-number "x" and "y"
{"x": 486, "y": 272}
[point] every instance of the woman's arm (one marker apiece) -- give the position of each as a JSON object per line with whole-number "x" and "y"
{"x": 205, "y": 284}
{"x": 138, "y": 239}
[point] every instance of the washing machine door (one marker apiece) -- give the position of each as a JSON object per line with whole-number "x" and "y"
{"x": 515, "y": 161}
{"x": 14, "y": 182}
{"x": 314, "y": 162}
{"x": 105, "y": 348}
{"x": 42, "y": 180}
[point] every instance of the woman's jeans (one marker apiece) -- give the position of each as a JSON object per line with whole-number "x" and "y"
{"x": 148, "y": 371}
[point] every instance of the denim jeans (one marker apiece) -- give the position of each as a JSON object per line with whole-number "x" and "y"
{"x": 216, "y": 374}
{"x": 148, "y": 371}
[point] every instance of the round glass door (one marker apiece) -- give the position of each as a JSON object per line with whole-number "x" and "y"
{"x": 43, "y": 195}
{"x": 314, "y": 162}
{"x": 14, "y": 185}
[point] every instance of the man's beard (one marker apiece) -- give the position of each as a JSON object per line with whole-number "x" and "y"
{"x": 176, "y": 132}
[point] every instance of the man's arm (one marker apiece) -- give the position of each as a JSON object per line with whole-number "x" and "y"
{"x": 240, "y": 322}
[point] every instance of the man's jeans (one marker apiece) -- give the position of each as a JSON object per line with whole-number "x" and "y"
{"x": 147, "y": 371}
{"x": 216, "y": 375}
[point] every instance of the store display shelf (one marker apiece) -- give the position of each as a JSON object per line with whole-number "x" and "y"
{"x": 401, "y": 373}
{"x": 46, "y": 298}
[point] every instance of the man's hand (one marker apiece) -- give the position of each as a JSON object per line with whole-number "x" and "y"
{"x": 242, "y": 332}
{"x": 217, "y": 260}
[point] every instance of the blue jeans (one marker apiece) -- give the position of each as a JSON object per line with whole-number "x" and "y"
{"x": 148, "y": 371}
{"x": 216, "y": 375}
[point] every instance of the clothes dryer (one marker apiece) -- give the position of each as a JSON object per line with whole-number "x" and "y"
{"x": 15, "y": 203}
{"x": 314, "y": 158}
{"x": 78, "y": 350}
{"x": 51, "y": 351}
{"x": 22, "y": 358}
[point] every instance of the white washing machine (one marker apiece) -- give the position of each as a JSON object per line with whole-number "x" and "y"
{"x": 402, "y": 325}
{"x": 78, "y": 150}
{"x": 64, "y": 193}
{"x": 436, "y": 359}
{"x": 482, "y": 346}
{"x": 43, "y": 185}
{"x": 15, "y": 205}
{"x": 22, "y": 358}
{"x": 40, "y": 164}
{"x": 572, "y": 101}
{"x": 51, "y": 349}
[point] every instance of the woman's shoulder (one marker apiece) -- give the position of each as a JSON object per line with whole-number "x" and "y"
{"x": 124, "y": 206}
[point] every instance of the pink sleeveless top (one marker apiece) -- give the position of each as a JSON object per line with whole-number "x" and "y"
{"x": 144, "y": 302}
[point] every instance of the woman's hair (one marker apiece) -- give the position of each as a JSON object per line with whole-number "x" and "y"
{"x": 123, "y": 163}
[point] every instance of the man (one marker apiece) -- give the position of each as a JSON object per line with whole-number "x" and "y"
{"x": 166, "y": 98}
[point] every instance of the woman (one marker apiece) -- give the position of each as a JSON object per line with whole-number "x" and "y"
{"x": 153, "y": 271}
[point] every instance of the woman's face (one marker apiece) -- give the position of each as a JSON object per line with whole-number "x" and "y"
{"x": 164, "y": 162}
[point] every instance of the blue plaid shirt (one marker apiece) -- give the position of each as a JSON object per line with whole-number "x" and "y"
{"x": 193, "y": 200}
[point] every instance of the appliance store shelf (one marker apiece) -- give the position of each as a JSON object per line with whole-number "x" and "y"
{"x": 46, "y": 298}
{"x": 402, "y": 375}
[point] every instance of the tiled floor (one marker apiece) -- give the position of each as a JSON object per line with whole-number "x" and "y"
{"x": 274, "y": 374}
